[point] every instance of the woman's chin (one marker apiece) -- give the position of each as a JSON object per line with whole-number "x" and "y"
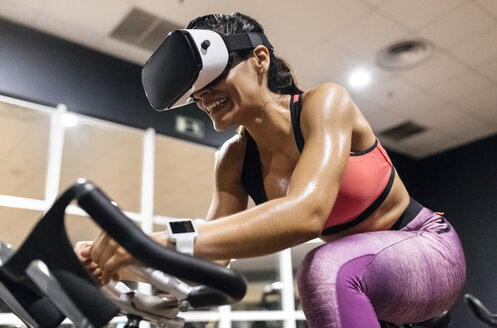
{"x": 218, "y": 127}
{"x": 222, "y": 122}
{"x": 224, "y": 118}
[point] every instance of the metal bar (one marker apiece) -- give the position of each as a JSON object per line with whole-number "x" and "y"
{"x": 55, "y": 146}
{"x": 27, "y": 104}
{"x": 147, "y": 192}
{"x": 147, "y": 196}
{"x": 287, "y": 293}
{"x": 225, "y": 316}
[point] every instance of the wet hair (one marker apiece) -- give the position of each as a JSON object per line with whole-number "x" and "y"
{"x": 281, "y": 79}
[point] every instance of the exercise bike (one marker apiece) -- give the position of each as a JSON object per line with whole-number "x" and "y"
{"x": 441, "y": 321}
{"x": 480, "y": 310}
{"x": 43, "y": 282}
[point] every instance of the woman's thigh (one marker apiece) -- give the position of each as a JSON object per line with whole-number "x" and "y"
{"x": 416, "y": 279}
{"x": 413, "y": 274}
{"x": 319, "y": 272}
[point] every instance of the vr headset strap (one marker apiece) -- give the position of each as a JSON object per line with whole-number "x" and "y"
{"x": 246, "y": 41}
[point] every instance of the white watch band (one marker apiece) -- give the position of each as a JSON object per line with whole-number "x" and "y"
{"x": 182, "y": 233}
{"x": 185, "y": 245}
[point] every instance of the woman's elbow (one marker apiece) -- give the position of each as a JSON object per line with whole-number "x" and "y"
{"x": 313, "y": 224}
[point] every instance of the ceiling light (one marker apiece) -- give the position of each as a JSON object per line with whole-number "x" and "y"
{"x": 359, "y": 78}
{"x": 68, "y": 120}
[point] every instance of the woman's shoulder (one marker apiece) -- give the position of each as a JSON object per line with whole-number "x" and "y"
{"x": 325, "y": 99}
{"x": 234, "y": 144}
{"x": 230, "y": 155}
{"x": 324, "y": 90}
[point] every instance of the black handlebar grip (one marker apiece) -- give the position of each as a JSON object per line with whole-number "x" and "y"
{"x": 202, "y": 296}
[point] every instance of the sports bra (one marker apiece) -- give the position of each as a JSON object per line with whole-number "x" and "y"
{"x": 366, "y": 183}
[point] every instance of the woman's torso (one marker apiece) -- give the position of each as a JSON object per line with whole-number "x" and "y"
{"x": 276, "y": 170}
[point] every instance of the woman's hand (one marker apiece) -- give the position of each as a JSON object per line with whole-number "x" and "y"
{"x": 82, "y": 250}
{"x": 109, "y": 257}
{"x": 106, "y": 253}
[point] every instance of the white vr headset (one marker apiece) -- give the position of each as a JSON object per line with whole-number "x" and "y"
{"x": 189, "y": 60}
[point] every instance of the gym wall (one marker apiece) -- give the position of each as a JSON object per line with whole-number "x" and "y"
{"x": 463, "y": 184}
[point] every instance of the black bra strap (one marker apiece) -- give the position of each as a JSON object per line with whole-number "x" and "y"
{"x": 296, "y": 110}
{"x": 252, "y": 178}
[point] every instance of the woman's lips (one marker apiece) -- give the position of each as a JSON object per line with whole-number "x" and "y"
{"x": 216, "y": 103}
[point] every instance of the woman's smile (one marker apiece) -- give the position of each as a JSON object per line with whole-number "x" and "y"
{"x": 216, "y": 105}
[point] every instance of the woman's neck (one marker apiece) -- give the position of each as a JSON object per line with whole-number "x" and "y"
{"x": 271, "y": 127}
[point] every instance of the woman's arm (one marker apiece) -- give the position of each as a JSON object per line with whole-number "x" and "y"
{"x": 229, "y": 197}
{"x": 327, "y": 124}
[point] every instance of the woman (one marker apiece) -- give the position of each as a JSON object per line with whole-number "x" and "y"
{"x": 315, "y": 168}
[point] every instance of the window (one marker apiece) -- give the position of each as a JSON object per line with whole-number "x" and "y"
{"x": 23, "y": 166}
{"x": 108, "y": 155}
{"x": 184, "y": 178}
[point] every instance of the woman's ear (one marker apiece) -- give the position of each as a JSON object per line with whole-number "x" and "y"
{"x": 261, "y": 56}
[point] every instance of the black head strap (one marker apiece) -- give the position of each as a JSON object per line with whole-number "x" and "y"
{"x": 246, "y": 41}
{"x": 236, "y": 42}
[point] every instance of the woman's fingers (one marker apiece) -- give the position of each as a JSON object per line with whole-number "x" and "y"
{"x": 110, "y": 268}
{"x": 82, "y": 250}
{"x": 92, "y": 266}
{"x": 85, "y": 251}
{"x": 99, "y": 249}
{"x": 107, "y": 257}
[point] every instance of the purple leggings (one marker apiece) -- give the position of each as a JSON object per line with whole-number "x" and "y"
{"x": 404, "y": 276}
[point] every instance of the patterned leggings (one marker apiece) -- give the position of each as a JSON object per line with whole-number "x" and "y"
{"x": 403, "y": 276}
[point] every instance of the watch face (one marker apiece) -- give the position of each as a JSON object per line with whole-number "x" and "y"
{"x": 181, "y": 226}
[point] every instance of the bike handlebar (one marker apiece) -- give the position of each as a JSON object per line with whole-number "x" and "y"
{"x": 229, "y": 283}
{"x": 220, "y": 285}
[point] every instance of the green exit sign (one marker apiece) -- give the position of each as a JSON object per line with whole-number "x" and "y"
{"x": 190, "y": 126}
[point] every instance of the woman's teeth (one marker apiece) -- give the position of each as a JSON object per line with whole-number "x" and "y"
{"x": 219, "y": 102}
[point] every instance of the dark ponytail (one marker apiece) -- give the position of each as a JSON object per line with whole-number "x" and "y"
{"x": 280, "y": 75}
{"x": 281, "y": 78}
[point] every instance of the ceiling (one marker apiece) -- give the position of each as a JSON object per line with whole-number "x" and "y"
{"x": 453, "y": 93}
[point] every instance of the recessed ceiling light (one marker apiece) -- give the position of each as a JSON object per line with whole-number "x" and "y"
{"x": 68, "y": 120}
{"x": 359, "y": 78}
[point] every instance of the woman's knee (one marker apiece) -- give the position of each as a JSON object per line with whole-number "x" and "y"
{"x": 315, "y": 267}
{"x": 305, "y": 271}
{"x": 317, "y": 273}
{"x": 331, "y": 291}
{"x": 313, "y": 272}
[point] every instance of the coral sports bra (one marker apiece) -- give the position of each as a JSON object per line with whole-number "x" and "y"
{"x": 366, "y": 183}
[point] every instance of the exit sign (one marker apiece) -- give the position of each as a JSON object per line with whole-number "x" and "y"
{"x": 190, "y": 126}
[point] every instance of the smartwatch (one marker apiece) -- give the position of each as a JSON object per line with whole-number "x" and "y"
{"x": 183, "y": 234}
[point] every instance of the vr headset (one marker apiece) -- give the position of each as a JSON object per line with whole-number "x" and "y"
{"x": 189, "y": 60}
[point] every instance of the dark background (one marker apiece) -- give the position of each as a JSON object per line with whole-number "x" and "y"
{"x": 462, "y": 182}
